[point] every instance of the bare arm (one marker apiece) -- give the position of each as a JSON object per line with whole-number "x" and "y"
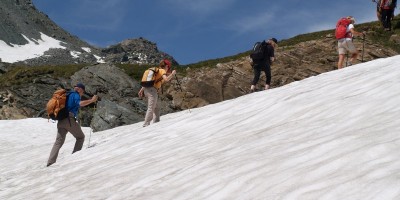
{"x": 356, "y": 33}
{"x": 141, "y": 92}
{"x": 169, "y": 77}
{"x": 89, "y": 101}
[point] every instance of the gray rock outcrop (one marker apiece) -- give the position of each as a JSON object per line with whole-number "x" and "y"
{"x": 119, "y": 103}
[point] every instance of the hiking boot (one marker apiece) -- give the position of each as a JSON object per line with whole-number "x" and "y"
{"x": 146, "y": 124}
{"x": 48, "y": 164}
{"x": 252, "y": 88}
{"x": 349, "y": 64}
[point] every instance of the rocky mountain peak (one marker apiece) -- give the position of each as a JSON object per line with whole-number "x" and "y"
{"x": 135, "y": 51}
{"x": 24, "y": 2}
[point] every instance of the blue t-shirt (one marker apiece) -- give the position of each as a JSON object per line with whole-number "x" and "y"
{"x": 73, "y": 104}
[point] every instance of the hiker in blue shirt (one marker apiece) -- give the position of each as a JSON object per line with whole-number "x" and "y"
{"x": 69, "y": 124}
{"x": 73, "y": 102}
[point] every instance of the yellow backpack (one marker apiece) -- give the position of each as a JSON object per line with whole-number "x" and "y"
{"x": 149, "y": 77}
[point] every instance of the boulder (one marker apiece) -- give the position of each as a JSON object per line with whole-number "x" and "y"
{"x": 119, "y": 102}
{"x": 117, "y": 92}
{"x": 395, "y": 39}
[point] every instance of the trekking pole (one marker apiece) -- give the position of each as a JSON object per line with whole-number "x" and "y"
{"x": 179, "y": 84}
{"x": 90, "y": 136}
{"x": 91, "y": 130}
{"x": 94, "y": 111}
{"x": 362, "y": 55}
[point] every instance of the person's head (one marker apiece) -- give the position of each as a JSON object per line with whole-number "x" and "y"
{"x": 166, "y": 64}
{"x": 273, "y": 42}
{"x": 352, "y": 19}
{"x": 80, "y": 88}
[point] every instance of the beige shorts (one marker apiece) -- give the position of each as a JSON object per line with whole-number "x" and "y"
{"x": 346, "y": 45}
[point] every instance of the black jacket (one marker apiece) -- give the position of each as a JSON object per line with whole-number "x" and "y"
{"x": 268, "y": 51}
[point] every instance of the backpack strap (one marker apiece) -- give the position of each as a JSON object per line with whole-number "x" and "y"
{"x": 160, "y": 79}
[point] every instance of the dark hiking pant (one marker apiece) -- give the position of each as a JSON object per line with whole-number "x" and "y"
{"x": 387, "y": 18}
{"x": 257, "y": 73}
{"x": 63, "y": 127}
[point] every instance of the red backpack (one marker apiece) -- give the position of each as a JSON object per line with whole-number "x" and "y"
{"x": 341, "y": 28}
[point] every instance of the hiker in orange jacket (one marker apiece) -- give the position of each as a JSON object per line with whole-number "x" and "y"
{"x": 153, "y": 106}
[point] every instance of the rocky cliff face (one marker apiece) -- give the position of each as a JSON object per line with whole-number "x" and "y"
{"x": 233, "y": 79}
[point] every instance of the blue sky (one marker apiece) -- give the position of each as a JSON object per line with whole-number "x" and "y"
{"x": 193, "y": 31}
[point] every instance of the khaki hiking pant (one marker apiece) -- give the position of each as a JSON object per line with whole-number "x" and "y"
{"x": 153, "y": 107}
{"x": 63, "y": 127}
{"x": 345, "y": 45}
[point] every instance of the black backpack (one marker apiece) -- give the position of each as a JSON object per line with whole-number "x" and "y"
{"x": 258, "y": 51}
{"x": 393, "y": 4}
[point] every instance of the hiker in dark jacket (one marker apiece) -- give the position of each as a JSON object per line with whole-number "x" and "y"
{"x": 70, "y": 124}
{"x": 386, "y": 9}
{"x": 264, "y": 64}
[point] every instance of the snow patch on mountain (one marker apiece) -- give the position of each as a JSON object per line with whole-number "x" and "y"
{"x": 34, "y": 48}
